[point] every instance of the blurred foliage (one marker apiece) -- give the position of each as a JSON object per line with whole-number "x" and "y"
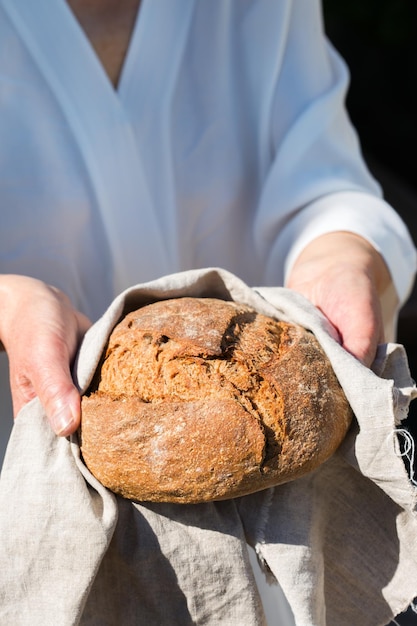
{"x": 388, "y": 22}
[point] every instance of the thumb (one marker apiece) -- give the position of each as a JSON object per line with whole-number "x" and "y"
{"x": 61, "y": 402}
{"x": 51, "y": 381}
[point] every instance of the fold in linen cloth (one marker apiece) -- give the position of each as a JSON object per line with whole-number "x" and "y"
{"x": 341, "y": 541}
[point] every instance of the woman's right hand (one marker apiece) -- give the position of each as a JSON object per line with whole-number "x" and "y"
{"x": 41, "y": 332}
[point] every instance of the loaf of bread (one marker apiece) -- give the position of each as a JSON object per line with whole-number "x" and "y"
{"x": 199, "y": 399}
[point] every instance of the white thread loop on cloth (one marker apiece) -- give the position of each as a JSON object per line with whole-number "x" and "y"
{"x": 406, "y": 450}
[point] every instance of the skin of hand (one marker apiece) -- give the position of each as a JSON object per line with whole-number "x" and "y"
{"x": 340, "y": 273}
{"x": 346, "y": 278}
{"x": 41, "y": 331}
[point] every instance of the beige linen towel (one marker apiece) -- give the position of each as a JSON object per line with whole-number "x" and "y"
{"x": 342, "y": 541}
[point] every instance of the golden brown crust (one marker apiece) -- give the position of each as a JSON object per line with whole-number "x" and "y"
{"x": 199, "y": 399}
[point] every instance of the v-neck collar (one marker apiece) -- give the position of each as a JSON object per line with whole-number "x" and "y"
{"x": 99, "y": 119}
{"x": 52, "y": 33}
{"x": 133, "y": 30}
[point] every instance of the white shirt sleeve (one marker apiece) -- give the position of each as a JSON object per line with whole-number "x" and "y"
{"x": 317, "y": 173}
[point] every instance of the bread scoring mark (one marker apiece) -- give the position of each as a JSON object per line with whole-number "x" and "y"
{"x": 233, "y": 332}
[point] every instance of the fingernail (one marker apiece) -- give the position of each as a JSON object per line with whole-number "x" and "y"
{"x": 62, "y": 422}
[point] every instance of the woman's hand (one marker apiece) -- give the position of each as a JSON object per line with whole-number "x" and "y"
{"x": 344, "y": 277}
{"x": 41, "y": 331}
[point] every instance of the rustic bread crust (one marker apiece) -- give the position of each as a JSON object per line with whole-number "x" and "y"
{"x": 199, "y": 399}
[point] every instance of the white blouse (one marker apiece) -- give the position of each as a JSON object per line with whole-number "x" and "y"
{"x": 226, "y": 144}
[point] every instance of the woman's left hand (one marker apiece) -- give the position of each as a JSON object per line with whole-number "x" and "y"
{"x": 345, "y": 277}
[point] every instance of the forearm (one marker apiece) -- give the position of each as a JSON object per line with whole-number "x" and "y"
{"x": 341, "y": 248}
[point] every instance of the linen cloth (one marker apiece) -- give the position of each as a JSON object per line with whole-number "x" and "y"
{"x": 342, "y": 541}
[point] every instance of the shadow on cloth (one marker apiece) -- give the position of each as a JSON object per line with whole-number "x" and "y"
{"x": 315, "y": 524}
{"x": 162, "y": 554}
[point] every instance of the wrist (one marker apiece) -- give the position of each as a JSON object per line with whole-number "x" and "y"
{"x": 343, "y": 248}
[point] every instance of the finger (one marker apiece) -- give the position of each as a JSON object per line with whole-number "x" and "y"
{"x": 54, "y": 384}
{"x": 361, "y": 348}
{"x": 60, "y": 399}
{"x": 360, "y": 336}
{"x": 49, "y": 379}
